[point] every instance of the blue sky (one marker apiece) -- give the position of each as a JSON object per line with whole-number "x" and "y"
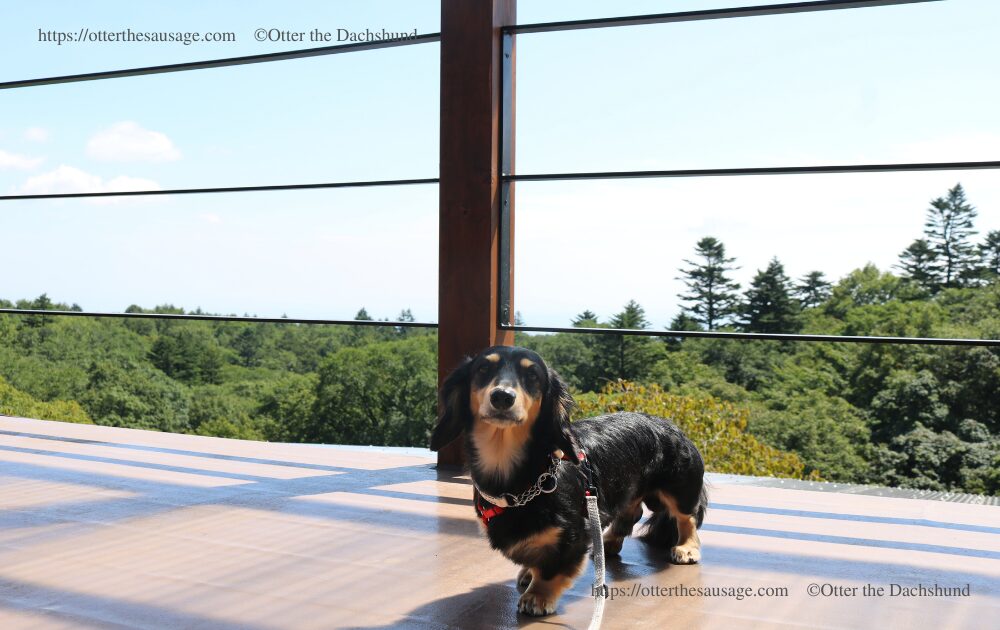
{"x": 890, "y": 84}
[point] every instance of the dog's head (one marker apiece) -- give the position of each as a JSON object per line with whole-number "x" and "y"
{"x": 510, "y": 394}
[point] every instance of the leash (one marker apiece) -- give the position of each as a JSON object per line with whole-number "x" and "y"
{"x": 546, "y": 484}
{"x": 599, "y": 589}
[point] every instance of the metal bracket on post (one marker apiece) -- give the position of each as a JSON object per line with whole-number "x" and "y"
{"x": 505, "y": 287}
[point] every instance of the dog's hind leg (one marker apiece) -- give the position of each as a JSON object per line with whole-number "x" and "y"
{"x": 621, "y": 527}
{"x": 688, "y": 547}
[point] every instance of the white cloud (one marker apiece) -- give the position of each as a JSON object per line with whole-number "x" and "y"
{"x": 126, "y": 141}
{"x": 210, "y": 217}
{"x": 37, "y": 134}
{"x": 21, "y": 162}
{"x": 69, "y": 179}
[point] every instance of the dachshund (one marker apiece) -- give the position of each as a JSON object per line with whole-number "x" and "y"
{"x": 531, "y": 470}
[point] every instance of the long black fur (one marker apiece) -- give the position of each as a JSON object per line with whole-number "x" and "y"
{"x": 633, "y": 457}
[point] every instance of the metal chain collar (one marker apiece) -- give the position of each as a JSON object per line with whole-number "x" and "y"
{"x": 545, "y": 484}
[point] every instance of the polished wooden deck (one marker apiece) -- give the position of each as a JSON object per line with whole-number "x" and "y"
{"x": 104, "y": 527}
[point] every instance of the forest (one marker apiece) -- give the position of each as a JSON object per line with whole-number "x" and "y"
{"x": 917, "y": 416}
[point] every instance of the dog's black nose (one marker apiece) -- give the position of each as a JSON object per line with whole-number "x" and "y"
{"x": 502, "y": 398}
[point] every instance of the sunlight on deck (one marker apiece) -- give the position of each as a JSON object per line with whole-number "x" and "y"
{"x": 117, "y": 527}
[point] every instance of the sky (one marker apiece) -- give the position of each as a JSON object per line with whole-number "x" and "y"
{"x": 905, "y": 83}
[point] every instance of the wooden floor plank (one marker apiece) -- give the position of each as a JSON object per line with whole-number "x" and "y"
{"x": 103, "y": 528}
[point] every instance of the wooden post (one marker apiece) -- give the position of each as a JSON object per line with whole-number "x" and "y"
{"x": 469, "y": 259}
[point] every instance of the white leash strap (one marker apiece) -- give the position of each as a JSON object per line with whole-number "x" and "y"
{"x": 598, "y": 542}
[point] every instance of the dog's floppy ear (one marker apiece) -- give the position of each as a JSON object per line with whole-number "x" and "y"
{"x": 453, "y": 406}
{"x": 561, "y": 406}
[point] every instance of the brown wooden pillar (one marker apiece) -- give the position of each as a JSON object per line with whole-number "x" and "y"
{"x": 474, "y": 228}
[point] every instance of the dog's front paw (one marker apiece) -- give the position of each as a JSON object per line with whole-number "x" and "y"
{"x": 685, "y": 554}
{"x": 536, "y": 605}
{"x": 523, "y": 579}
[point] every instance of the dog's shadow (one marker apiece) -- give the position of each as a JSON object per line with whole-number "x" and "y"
{"x": 642, "y": 555}
{"x": 495, "y": 605}
{"x": 488, "y": 606}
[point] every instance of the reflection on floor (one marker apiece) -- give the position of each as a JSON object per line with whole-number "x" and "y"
{"x": 103, "y": 527}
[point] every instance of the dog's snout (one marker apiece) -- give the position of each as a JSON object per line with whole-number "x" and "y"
{"x": 502, "y": 398}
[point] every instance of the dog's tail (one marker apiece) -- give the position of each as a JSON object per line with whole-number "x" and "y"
{"x": 699, "y": 513}
{"x": 661, "y": 529}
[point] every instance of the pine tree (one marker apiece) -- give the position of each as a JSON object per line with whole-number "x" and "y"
{"x": 634, "y": 317}
{"x": 813, "y": 289}
{"x": 363, "y": 316}
{"x": 41, "y": 303}
{"x": 685, "y": 322}
{"x": 586, "y": 319}
{"x": 919, "y": 264}
{"x": 769, "y": 305}
{"x": 681, "y": 322}
{"x": 989, "y": 254}
{"x": 405, "y": 315}
{"x": 948, "y": 229}
{"x": 712, "y": 297}
{"x": 625, "y": 356}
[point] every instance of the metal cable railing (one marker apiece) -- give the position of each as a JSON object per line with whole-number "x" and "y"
{"x": 225, "y": 62}
{"x": 763, "y": 170}
{"x": 508, "y": 177}
{"x": 706, "y": 14}
{"x": 221, "y": 63}
{"x": 218, "y": 318}
{"x": 228, "y": 189}
{"x": 721, "y": 334}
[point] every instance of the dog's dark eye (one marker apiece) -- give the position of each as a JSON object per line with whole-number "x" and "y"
{"x": 531, "y": 376}
{"x": 484, "y": 368}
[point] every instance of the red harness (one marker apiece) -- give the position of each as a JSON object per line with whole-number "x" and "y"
{"x": 487, "y": 511}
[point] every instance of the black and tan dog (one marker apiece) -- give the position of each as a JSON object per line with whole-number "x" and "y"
{"x": 531, "y": 470}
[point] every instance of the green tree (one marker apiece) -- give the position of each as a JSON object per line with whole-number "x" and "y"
{"x": 769, "y": 305}
{"x": 405, "y": 315}
{"x": 989, "y": 253}
{"x": 41, "y": 303}
{"x": 188, "y": 353}
{"x": 867, "y": 286}
{"x": 828, "y": 433}
{"x": 586, "y": 319}
{"x": 248, "y": 344}
{"x": 221, "y": 413}
{"x": 289, "y": 405}
{"x": 128, "y": 394}
{"x": 573, "y": 356}
{"x": 627, "y": 357}
{"x": 948, "y": 230}
{"x": 919, "y": 264}
{"x": 907, "y": 399}
{"x": 922, "y": 459}
{"x": 18, "y": 403}
{"x": 382, "y": 393}
{"x": 812, "y": 290}
{"x": 8, "y": 329}
{"x": 711, "y": 298}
